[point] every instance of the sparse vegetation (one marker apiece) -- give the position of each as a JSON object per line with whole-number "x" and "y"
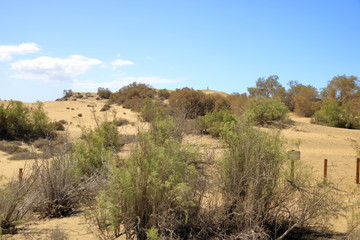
{"x": 103, "y": 93}
{"x": 156, "y": 192}
{"x": 133, "y": 95}
{"x": 17, "y": 122}
{"x": 159, "y": 190}
{"x": 68, "y": 93}
{"x": 105, "y": 108}
{"x": 163, "y": 94}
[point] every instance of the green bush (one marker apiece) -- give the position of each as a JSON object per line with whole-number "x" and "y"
{"x": 264, "y": 111}
{"x": 213, "y": 123}
{"x": 152, "y": 110}
{"x": 333, "y": 114}
{"x": 155, "y": 188}
{"x": 95, "y": 150}
{"x": 21, "y": 123}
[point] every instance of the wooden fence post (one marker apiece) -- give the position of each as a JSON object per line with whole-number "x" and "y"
{"x": 325, "y": 170}
{"x": 357, "y": 170}
{"x": 21, "y": 173}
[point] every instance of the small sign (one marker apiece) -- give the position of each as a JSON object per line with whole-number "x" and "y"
{"x": 293, "y": 155}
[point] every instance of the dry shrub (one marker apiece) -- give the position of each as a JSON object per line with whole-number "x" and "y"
{"x": 238, "y": 103}
{"x": 56, "y": 193}
{"x": 191, "y": 103}
{"x": 26, "y": 155}
{"x": 132, "y": 96}
{"x": 163, "y": 94}
{"x": 105, "y": 108}
{"x": 104, "y": 93}
{"x": 120, "y": 122}
{"x": 59, "y": 125}
{"x": 260, "y": 202}
{"x": 16, "y": 201}
{"x": 11, "y": 147}
{"x": 68, "y": 93}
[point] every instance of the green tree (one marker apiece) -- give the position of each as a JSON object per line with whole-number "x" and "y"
{"x": 342, "y": 88}
{"x": 268, "y": 87}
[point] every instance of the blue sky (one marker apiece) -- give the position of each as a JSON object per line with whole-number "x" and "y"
{"x": 49, "y": 46}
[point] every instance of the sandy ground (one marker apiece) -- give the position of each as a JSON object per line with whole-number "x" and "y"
{"x": 339, "y": 146}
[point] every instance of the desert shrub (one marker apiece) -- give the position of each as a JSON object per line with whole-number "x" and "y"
{"x": 15, "y": 202}
{"x": 132, "y": 96}
{"x": 238, "y": 103}
{"x": 259, "y": 201}
{"x": 103, "y": 93}
{"x": 266, "y": 111}
{"x": 92, "y": 153}
{"x": 10, "y": 147}
{"x": 19, "y": 122}
{"x": 163, "y": 94}
{"x": 59, "y": 125}
{"x": 333, "y": 114}
{"x": 191, "y": 103}
{"x": 68, "y": 93}
{"x": 212, "y": 123}
{"x": 26, "y": 155}
{"x": 151, "y": 110}
{"x": 156, "y": 188}
{"x": 120, "y": 122}
{"x": 250, "y": 171}
{"x": 303, "y": 100}
{"x": 104, "y": 108}
{"x": 80, "y": 115}
{"x": 56, "y": 193}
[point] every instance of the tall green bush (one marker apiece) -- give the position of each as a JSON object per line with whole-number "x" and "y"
{"x": 333, "y": 114}
{"x": 250, "y": 172}
{"x": 93, "y": 153}
{"x": 213, "y": 123}
{"x": 22, "y": 123}
{"x": 265, "y": 111}
{"x": 155, "y": 188}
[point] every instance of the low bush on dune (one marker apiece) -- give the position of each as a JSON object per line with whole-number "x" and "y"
{"x": 133, "y": 95}
{"x": 191, "y": 103}
{"x": 335, "y": 115}
{"x": 103, "y": 93}
{"x": 16, "y": 201}
{"x": 18, "y": 122}
{"x": 267, "y": 111}
{"x": 213, "y": 123}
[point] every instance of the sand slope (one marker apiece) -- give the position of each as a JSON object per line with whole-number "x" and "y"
{"x": 339, "y": 146}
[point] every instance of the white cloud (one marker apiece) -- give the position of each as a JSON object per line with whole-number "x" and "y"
{"x": 120, "y": 62}
{"x": 91, "y": 86}
{"x": 53, "y": 69}
{"x": 6, "y": 51}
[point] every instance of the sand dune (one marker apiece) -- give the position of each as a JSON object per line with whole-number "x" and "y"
{"x": 339, "y": 146}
